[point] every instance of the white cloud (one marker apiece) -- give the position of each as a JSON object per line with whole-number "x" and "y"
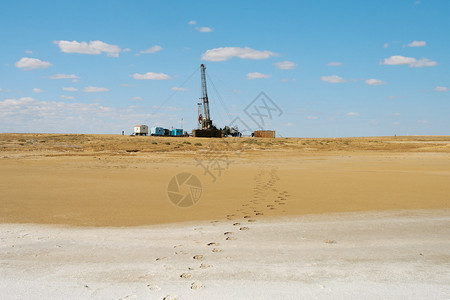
{"x": 28, "y": 51}
{"x": 192, "y": 22}
{"x": 424, "y": 62}
{"x": 204, "y": 29}
{"x": 179, "y": 89}
{"x": 26, "y": 63}
{"x": 352, "y": 114}
{"x": 395, "y": 97}
{"x": 68, "y": 116}
{"x": 374, "y": 81}
{"x": 411, "y": 61}
{"x": 441, "y": 89}
{"x": 151, "y": 50}
{"x": 335, "y": 64}
{"x": 173, "y": 108}
{"x": 386, "y": 45}
{"x": 137, "y": 98}
{"x": 151, "y": 76}
{"x": 93, "y": 47}
{"x": 36, "y": 90}
{"x": 332, "y": 79}
{"x": 67, "y": 97}
{"x": 225, "y": 53}
{"x": 417, "y": 44}
{"x": 64, "y": 76}
{"x": 256, "y": 75}
{"x": 69, "y": 89}
{"x": 94, "y": 89}
{"x": 287, "y": 79}
{"x": 30, "y": 115}
{"x": 398, "y": 60}
{"x": 285, "y": 65}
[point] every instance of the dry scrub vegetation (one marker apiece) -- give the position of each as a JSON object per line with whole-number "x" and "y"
{"x": 93, "y": 144}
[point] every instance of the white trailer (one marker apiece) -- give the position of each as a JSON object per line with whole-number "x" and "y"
{"x": 141, "y": 130}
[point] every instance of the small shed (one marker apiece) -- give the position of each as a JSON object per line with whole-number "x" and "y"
{"x": 177, "y": 132}
{"x": 157, "y": 131}
{"x": 141, "y": 130}
{"x": 264, "y": 133}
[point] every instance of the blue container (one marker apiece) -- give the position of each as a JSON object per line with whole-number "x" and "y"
{"x": 177, "y": 132}
{"x": 157, "y": 131}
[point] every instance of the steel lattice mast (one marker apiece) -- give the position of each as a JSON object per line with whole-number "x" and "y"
{"x": 207, "y": 117}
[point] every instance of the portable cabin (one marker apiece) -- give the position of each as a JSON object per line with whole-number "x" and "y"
{"x": 264, "y": 133}
{"x": 141, "y": 130}
{"x": 159, "y": 131}
{"x": 177, "y": 132}
{"x": 167, "y": 132}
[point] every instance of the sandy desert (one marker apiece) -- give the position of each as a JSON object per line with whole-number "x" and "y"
{"x": 94, "y": 216}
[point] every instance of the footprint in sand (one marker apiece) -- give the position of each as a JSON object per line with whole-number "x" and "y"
{"x": 281, "y": 203}
{"x": 236, "y": 224}
{"x": 246, "y": 217}
{"x": 244, "y": 228}
{"x": 196, "y": 285}
{"x": 259, "y": 214}
{"x": 160, "y": 258}
{"x": 198, "y": 257}
{"x": 251, "y": 220}
{"x": 216, "y": 250}
{"x": 212, "y": 244}
{"x": 205, "y": 266}
{"x": 228, "y": 232}
{"x": 272, "y": 208}
{"x": 170, "y": 297}
{"x": 230, "y": 238}
{"x": 153, "y": 287}
{"x": 269, "y": 205}
{"x": 186, "y": 275}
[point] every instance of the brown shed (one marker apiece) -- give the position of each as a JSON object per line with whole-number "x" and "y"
{"x": 264, "y": 133}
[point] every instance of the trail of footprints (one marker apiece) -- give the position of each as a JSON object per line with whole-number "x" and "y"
{"x": 265, "y": 197}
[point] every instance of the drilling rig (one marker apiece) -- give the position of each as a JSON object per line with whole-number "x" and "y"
{"x": 207, "y": 127}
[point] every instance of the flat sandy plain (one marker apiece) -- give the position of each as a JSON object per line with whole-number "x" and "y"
{"x": 88, "y": 216}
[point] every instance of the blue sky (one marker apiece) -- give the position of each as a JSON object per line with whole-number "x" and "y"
{"x": 334, "y": 68}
